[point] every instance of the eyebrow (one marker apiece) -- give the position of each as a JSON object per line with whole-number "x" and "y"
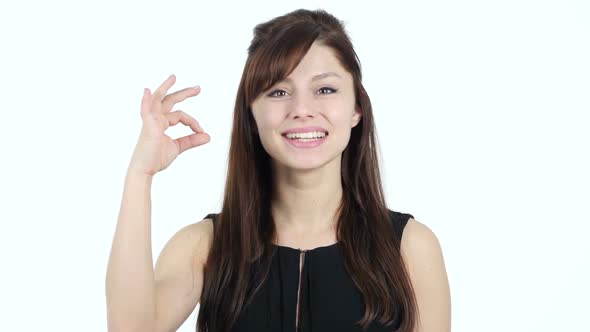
{"x": 317, "y": 77}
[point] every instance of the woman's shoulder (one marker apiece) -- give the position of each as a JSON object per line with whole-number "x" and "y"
{"x": 418, "y": 240}
{"x": 196, "y": 238}
{"x": 202, "y": 228}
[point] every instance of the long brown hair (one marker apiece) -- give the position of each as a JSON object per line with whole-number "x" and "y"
{"x": 240, "y": 256}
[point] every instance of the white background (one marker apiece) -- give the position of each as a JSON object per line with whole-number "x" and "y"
{"x": 482, "y": 112}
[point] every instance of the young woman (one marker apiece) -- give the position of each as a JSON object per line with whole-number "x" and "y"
{"x": 304, "y": 240}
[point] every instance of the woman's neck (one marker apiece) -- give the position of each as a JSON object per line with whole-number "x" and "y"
{"x": 306, "y": 202}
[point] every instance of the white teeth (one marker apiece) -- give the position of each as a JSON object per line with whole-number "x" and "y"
{"x": 313, "y": 134}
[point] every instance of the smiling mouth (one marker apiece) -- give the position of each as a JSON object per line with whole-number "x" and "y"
{"x": 306, "y": 137}
{"x": 305, "y": 140}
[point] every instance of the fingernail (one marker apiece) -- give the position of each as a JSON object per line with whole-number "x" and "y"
{"x": 196, "y": 87}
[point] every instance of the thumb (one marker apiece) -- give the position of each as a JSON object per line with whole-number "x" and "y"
{"x": 190, "y": 141}
{"x": 146, "y": 101}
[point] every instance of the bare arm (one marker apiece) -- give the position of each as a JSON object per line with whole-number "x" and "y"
{"x": 139, "y": 298}
{"x": 179, "y": 274}
{"x": 130, "y": 290}
{"x": 423, "y": 256}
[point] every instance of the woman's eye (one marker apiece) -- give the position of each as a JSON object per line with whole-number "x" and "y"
{"x": 327, "y": 90}
{"x": 277, "y": 93}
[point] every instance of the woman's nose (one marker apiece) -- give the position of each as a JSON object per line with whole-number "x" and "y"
{"x": 302, "y": 106}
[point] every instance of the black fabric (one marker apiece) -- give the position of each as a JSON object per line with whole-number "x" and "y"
{"x": 329, "y": 300}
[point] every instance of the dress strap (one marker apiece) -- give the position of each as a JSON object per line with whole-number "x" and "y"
{"x": 399, "y": 221}
{"x": 212, "y": 216}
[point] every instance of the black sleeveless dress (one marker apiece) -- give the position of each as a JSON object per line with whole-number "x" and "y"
{"x": 329, "y": 300}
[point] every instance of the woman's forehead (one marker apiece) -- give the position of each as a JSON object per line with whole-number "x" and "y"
{"x": 318, "y": 60}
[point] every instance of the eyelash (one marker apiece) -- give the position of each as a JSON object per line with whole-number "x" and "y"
{"x": 279, "y": 90}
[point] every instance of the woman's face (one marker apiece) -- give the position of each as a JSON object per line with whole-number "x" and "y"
{"x": 304, "y": 121}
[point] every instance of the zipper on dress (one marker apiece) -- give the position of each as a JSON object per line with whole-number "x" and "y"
{"x": 302, "y": 261}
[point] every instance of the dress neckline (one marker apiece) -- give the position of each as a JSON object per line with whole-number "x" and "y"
{"x": 286, "y": 248}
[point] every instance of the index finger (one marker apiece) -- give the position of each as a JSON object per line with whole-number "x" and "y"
{"x": 164, "y": 87}
{"x": 174, "y": 98}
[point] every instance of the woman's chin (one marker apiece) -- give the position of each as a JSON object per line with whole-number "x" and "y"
{"x": 304, "y": 164}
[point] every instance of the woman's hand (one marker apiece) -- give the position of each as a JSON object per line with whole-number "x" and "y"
{"x": 155, "y": 151}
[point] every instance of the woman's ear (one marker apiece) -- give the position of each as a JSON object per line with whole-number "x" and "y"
{"x": 356, "y": 118}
